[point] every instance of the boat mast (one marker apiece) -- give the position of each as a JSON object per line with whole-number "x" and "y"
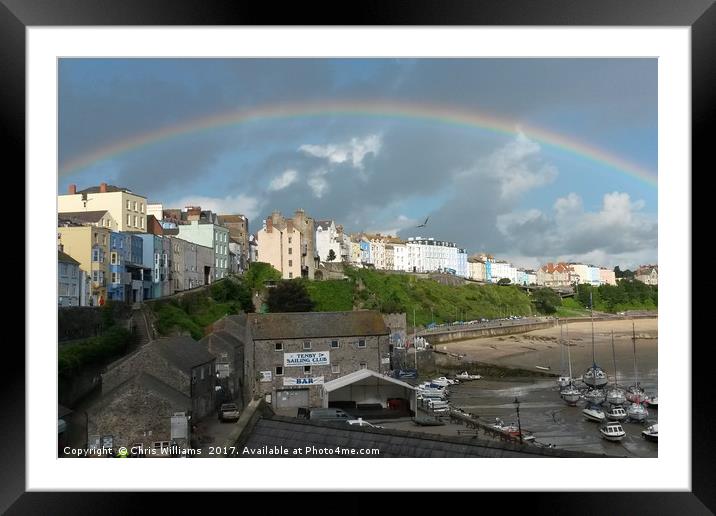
{"x": 633, "y": 341}
{"x": 569, "y": 356}
{"x": 561, "y": 349}
{"x": 614, "y": 357}
{"x": 591, "y": 308}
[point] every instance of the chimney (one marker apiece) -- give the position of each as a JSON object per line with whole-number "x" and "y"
{"x": 269, "y": 225}
{"x": 72, "y": 189}
{"x": 103, "y": 188}
{"x": 289, "y": 225}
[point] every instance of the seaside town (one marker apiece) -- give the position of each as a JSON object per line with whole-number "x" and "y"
{"x": 357, "y": 257}
{"x": 184, "y": 332}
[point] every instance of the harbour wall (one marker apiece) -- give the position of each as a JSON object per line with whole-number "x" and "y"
{"x": 476, "y": 333}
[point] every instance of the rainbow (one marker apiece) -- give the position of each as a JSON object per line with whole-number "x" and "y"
{"x": 373, "y": 109}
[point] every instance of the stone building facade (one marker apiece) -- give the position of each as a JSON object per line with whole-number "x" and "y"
{"x": 295, "y": 353}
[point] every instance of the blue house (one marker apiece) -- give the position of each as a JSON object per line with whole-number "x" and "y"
{"x": 125, "y": 268}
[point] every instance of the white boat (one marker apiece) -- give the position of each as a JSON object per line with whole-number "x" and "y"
{"x": 651, "y": 433}
{"x": 612, "y": 431}
{"x": 563, "y": 381}
{"x": 571, "y": 395}
{"x": 651, "y": 401}
{"x": 465, "y": 376}
{"x": 594, "y": 377}
{"x": 637, "y": 412}
{"x": 595, "y": 396}
{"x": 616, "y": 413}
{"x": 443, "y": 381}
{"x": 593, "y": 413}
{"x": 615, "y": 395}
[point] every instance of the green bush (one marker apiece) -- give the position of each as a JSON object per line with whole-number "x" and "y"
{"x": 100, "y": 350}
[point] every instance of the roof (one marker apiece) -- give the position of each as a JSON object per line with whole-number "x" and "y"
{"x": 359, "y": 375}
{"x": 150, "y": 383}
{"x": 110, "y": 188}
{"x": 62, "y": 257}
{"x": 231, "y": 218}
{"x": 292, "y": 433}
{"x": 88, "y": 217}
{"x": 184, "y": 352}
{"x": 323, "y": 224}
{"x": 303, "y": 325}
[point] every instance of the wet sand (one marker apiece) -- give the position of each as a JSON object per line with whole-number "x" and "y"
{"x": 542, "y": 411}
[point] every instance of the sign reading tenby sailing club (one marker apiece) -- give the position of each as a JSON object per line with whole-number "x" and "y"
{"x": 318, "y": 380}
{"x": 304, "y": 359}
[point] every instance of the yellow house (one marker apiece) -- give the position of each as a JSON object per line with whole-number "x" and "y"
{"x": 89, "y": 245}
{"x": 128, "y": 209}
{"x": 280, "y": 246}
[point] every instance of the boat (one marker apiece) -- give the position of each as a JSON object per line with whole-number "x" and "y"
{"x": 407, "y": 373}
{"x": 563, "y": 381}
{"x": 651, "y": 401}
{"x": 443, "y": 381}
{"x": 615, "y": 395}
{"x": 594, "y": 376}
{"x": 651, "y": 433}
{"x": 616, "y": 413}
{"x": 465, "y": 376}
{"x": 571, "y": 395}
{"x": 543, "y": 368}
{"x": 512, "y": 430}
{"x": 637, "y": 412}
{"x": 612, "y": 431}
{"x": 593, "y": 413}
{"x": 595, "y": 396}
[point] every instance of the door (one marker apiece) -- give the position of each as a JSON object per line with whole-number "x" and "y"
{"x": 292, "y": 398}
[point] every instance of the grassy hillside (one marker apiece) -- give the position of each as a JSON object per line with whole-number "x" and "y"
{"x": 402, "y": 293}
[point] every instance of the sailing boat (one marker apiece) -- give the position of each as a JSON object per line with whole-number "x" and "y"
{"x": 615, "y": 395}
{"x": 635, "y": 393}
{"x": 594, "y": 377}
{"x": 571, "y": 394}
{"x": 562, "y": 381}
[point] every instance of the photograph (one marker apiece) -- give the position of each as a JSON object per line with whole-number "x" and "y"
{"x": 357, "y": 257}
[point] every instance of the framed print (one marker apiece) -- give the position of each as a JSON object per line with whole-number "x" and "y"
{"x": 444, "y": 226}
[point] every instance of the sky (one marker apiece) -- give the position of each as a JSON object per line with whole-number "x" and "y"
{"x": 532, "y": 160}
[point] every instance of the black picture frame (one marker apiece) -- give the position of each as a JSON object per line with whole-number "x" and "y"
{"x": 700, "y": 15}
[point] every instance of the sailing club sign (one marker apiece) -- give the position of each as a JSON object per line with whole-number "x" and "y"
{"x": 309, "y": 380}
{"x": 306, "y": 359}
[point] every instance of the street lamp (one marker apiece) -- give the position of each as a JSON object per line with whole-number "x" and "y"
{"x": 519, "y": 424}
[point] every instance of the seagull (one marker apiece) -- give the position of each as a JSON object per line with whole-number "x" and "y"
{"x": 423, "y": 224}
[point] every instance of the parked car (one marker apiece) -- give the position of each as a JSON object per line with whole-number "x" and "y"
{"x": 229, "y": 412}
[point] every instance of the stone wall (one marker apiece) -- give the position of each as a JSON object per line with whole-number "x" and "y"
{"x": 348, "y": 356}
{"x": 475, "y": 333}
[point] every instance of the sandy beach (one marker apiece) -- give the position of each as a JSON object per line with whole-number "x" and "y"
{"x": 542, "y": 347}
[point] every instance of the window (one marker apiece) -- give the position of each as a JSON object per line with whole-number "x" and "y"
{"x": 307, "y": 344}
{"x": 135, "y": 222}
{"x": 363, "y": 365}
{"x": 336, "y": 369}
{"x": 129, "y": 219}
{"x": 290, "y": 250}
{"x": 141, "y": 222}
{"x": 135, "y": 205}
{"x": 129, "y": 204}
{"x": 96, "y": 238}
{"x": 115, "y": 277}
{"x": 361, "y": 343}
{"x": 63, "y": 269}
{"x": 95, "y": 254}
{"x": 113, "y": 258}
{"x": 141, "y": 207}
{"x": 290, "y": 263}
{"x": 202, "y": 372}
{"x": 279, "y": 370}
{"x": 307, "y": 369}
{"x": 290, "y": 275}
{"x": 334, "y": 344}
{"x": 278, "y": 346}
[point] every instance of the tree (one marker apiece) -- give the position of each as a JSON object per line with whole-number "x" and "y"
{"x": 546, "y": 300}
{"x": 331, "y": 255}
{"x": 289, "y": 296}
{"x": 504, "y": 281}
{"x": 259, "y": 273}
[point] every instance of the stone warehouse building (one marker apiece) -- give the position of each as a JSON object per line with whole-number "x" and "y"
{"x": 294, "y": 354}
{"x": 149, "y": 395}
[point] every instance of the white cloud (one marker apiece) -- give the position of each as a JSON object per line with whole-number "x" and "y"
{"x": 516, "y": 167}
{"x": 283, "y": 181}
{"x": 618, "y": 234}
{"x": 318, "y": 184}
{"x": 353, "y": 151}
{"x": 244, "y": 204}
